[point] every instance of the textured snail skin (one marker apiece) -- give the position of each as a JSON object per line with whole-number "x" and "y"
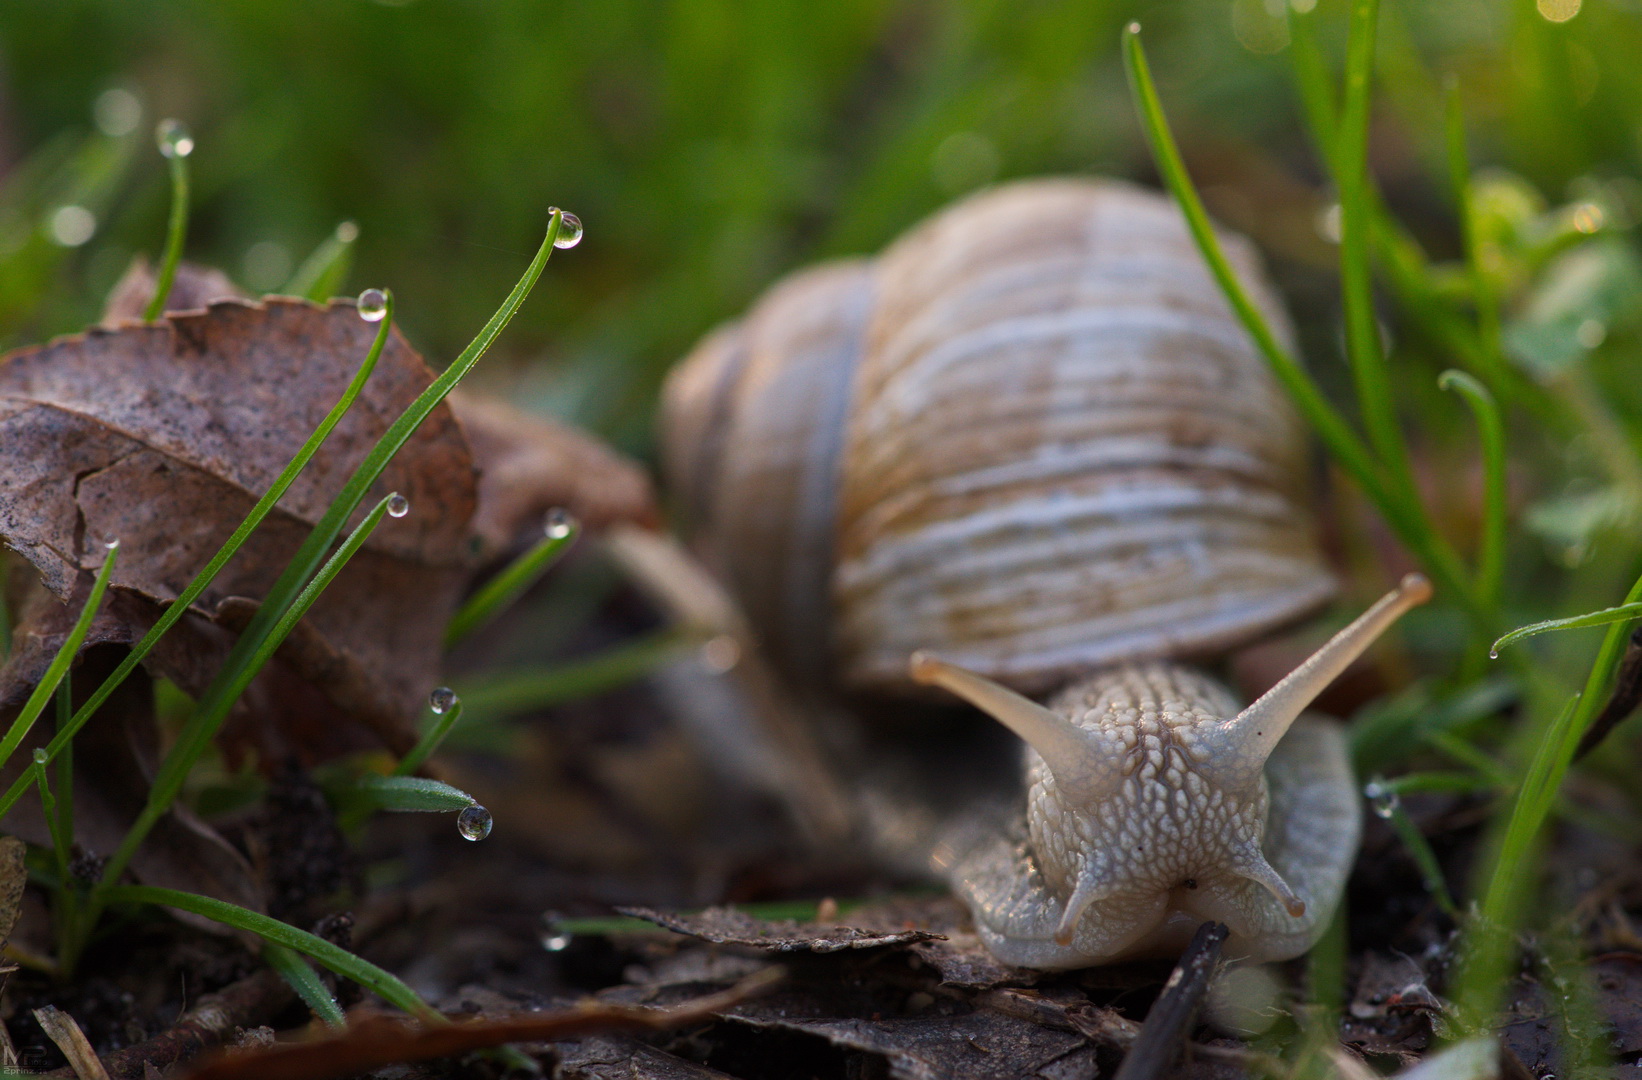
{"x": 1154, "y": 805}
{"x": 1178, "y": 840}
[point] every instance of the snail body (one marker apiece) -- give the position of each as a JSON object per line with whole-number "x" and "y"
{"x": 1032, "y": 439}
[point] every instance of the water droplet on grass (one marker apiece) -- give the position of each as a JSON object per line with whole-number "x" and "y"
{"x": 40, "y": 755}
{"x": 556, "y": 942}
{"x": 398, "y": 505}
{"x": 474, "y": 823}
{"x": 1381, "y": 799}
{"x": 174, "y": 139}
{"x": 373, "y": 305}
{"x": 559, "y": 523}
{"x": 570, "y": 229}
{"x": 442, "y": 700}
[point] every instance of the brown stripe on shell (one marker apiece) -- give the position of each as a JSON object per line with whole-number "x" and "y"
{"x": 1064, "y": 450}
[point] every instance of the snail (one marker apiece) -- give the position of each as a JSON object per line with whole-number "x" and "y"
{"x": 1028, "y": 450}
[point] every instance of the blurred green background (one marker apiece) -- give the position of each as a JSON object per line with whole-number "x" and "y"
{"x": 710, "y": 146}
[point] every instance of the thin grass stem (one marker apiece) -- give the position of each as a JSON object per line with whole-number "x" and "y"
{"x": 176, "y": 232}
{"x": 443, "y": 722}
{"x": 1492, "y": 352}
{"x": 413, "y": 794}
{"x": 202, "y": 580}
{"x": 1363, "y": 347}
{"x": 501, "y": 591}
{"x": 322, "y": 273}
{"x": 66, "y": 652}
{"x": 1491, "y": 433}
{"x": 1405, "y": 514}
{"x": 332, "y": 957}
{"x": 64, "y": 765}
{"x": 510, "y": 693}
{"x": 306, "y": 982}
{"x": 207, "y": 718}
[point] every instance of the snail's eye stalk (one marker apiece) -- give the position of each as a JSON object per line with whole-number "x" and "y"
{"x": 1073, "y": 758}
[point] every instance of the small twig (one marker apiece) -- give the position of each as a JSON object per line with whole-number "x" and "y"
{"x": 1626, "y": 696}
{"x": 61, "y": 1029}
{"x": 378, "y": 1041}
{"x": 1164, "y": 1031}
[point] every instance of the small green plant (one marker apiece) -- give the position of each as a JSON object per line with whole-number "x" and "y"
{"x": 304, "y": 579}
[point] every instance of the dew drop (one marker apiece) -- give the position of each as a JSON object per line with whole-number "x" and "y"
{"x": 1493, "y": 654}
{"x": 372, "y": 305}
{"x": 560, "y": 523}
{"x": 556, "y": 942}
{"x": 1381, "y": 799}
{"x": 442, "y": 700}
{"x": 40, "y": 755}
{"x": 570, "y": 229}
{"x": 174, "y": 139}
{"x": 398, "y": 505}
{"x": 474, "y": 822}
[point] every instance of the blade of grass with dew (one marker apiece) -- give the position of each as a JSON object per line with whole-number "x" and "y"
{"x": 1418, "y": 848}
{"x": 212, "y": 710}
{"x": 248, "y": 653}
{"x": 1406, "y": 516}
{"x": 415, "y": 794}
{"x": 429, "y": 742}
{"x": 61, "y": 843}
{"x": 202, "y": 580}
{"x": 1624, "y": 613}
{"x": 321, "y": 274}
{"x": 66, "y": 652}
{"x": 1491, "y": 434}
{"x": 176, "y": 144}
{"x": 308, "y": 557}
{"x": 306, "y": 982}
{"x": 506, "y": 587}
{"x": 1508, "y": 880}
{"x": 511, "y": 693}
{"x": 332, "y": 957}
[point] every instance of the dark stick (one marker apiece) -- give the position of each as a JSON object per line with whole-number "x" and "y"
{"x": 1167, "y": 1024}
{"x": 1626, "y": 696}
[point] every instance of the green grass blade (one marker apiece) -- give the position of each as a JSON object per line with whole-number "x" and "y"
{"x": 1492, "y": 352}
{"x": 1624, "y": 613}
{"x": 1363, "y": 347}
{"x": 1392, "y": 498}
{"x": 506, "y": 587}
{"x": 416, "y": 794}
{"x": 62, "y": 843}
{"x": 1384, "y": 797}
{"x": 303, "y": 979}
{"x": 322, "y": 273}
{"x": 176, "y": 150}
{"x": 1331, "y": 427}
{"x": 1491, "y": 433}
{"x": 511, "y": 693}
{"x": 208, "y": 717}
{"x": 332, "y": 957}
{"x": 430, "y": 740}
{"x": 1488, "y": 948}
{"x": 65, "y": 763}
{"x": 319, "y": 540}
{"x": 202, "y": 580}
{"x": 66, "y": 652}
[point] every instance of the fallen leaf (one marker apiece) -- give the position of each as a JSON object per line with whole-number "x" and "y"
{"x": 13, "y": 876}
{"x": 528, "y": 466}
{"x": 164, "y": 435}
{"x": 193, "y": 288}
{"x": 727, "y": 926}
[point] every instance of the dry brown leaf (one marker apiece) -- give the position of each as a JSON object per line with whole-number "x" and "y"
{"x": 193, "y": 288}
{"x": 164, "y": 435}
{"x": 13, "y": 876}
{"x": 528, "y": 465}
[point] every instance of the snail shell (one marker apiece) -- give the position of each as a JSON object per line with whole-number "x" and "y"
{"x": 1030, "y": 436}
